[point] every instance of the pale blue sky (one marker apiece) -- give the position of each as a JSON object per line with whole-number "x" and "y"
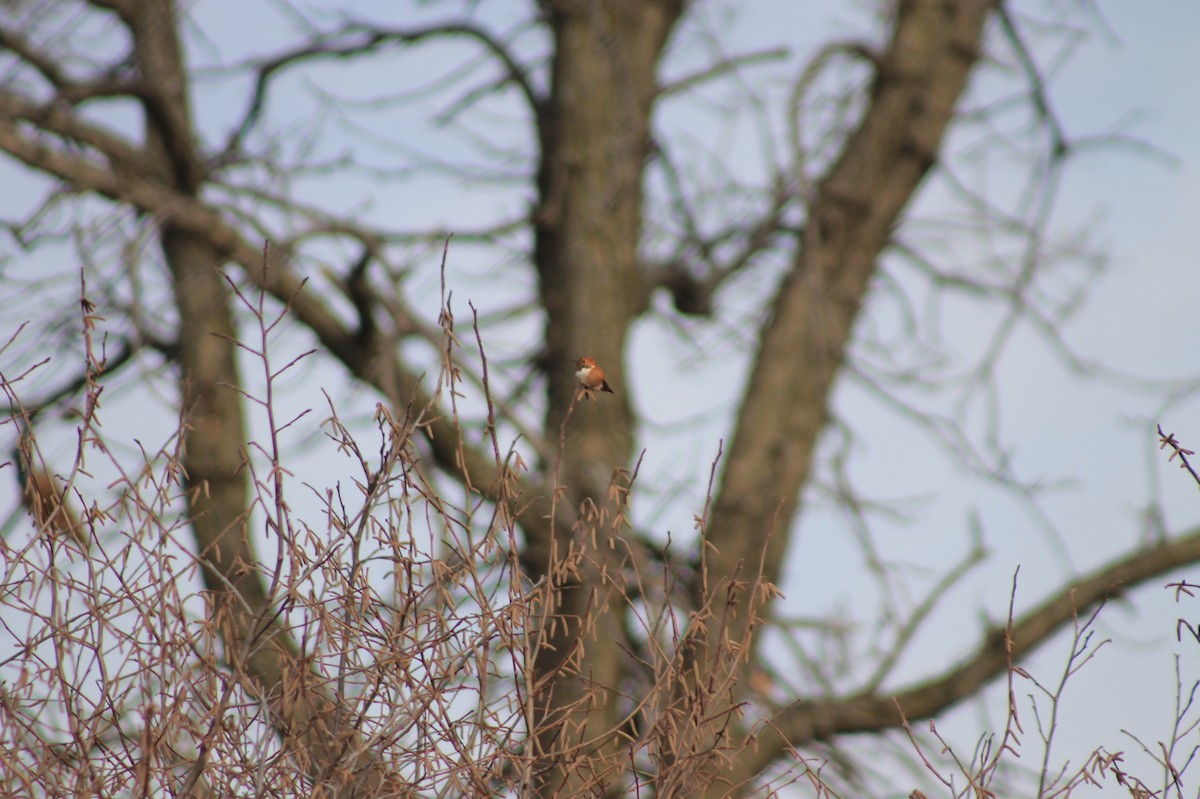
{"x": 1139, "y": 80}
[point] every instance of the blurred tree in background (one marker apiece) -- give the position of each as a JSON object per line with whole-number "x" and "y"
{"x": 474, "y": 608}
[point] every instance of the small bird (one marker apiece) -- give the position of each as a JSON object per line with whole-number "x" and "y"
{"x": 591, "y": 376}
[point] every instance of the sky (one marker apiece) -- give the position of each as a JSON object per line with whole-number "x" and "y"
{"x": 1132, "y": 75}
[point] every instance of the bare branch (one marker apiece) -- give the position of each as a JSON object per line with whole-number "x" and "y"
{"x": 1177, "y": 450}
{"x": 61, "y": 121}
{"x": 374, "y": 365}
{"x": 722, "y": 68}
{"x": 807, "y": 721}
{"x": 47, "y": 66}
{"x": 355, "y": 39}
{"x": 693, "y": 286}
{"x": 920, "y": 615}
{"x": 1037, "y": 84}
{"x": 851, "y": 215}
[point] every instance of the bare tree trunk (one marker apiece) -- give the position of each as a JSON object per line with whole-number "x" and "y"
{"x": 851, "y": 214}
{"x": 216, "y": 482}
{"x": 595, "y": 136}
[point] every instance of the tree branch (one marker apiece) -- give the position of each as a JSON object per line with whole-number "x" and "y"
{"x": 109, "y": 366}
{"x": 1037, "y": 84}
{"x": 67, "y": 90}
{"x": 808, "y": 721}
{"x": 56, "y": 119}
{"x": 372, "y": 364}
{"x": 720, "y": 68}
{"x": 354, "y": 39}
{"x": 850, "y": 216}
{"x": 23, "y": 49}
{"x": 693, "y": 286}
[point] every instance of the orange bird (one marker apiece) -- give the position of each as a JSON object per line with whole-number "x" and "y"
{"x": 591, "y": 376}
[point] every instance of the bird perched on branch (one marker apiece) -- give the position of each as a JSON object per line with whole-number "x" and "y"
{"x": 591, "y": 377}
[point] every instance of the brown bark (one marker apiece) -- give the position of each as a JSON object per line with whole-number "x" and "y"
{"x": 594, "y": 138}
{"x": 851, "y": 215}
{"x": 216, "y": 484}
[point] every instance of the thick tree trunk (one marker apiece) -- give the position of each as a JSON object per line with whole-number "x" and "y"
{"x": 595, "y": 135}
{"x": 217, "y": 484}
{"x": 919, "y": 79}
